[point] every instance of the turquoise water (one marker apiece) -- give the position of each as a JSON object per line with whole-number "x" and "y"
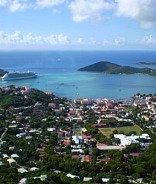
{"x": 58, "y": 73}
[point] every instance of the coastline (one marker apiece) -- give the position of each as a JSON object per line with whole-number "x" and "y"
{"x": 79, "y": 84}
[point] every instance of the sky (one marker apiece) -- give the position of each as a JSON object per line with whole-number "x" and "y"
{"x": 78, "y": 24}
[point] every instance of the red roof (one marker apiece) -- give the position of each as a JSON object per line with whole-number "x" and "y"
{"x": 66, "y": 142}
{"x": 75, "y": 156}
{"x": 126, "y": 155}
{"x": 87, "y": 136}
{"x": 99, "y": 125}
{"x": 41, "y": 149}
{"x": 135, "y": 154}
{"x": 107, "y": 160}
{"x": 132, "y": 154}
{"x": 87, "y": 158}
{"x": 51, "y": 104}
{"x": 93, "y": 140}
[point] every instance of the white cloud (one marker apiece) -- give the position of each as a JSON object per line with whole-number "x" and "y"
{"x": 83, "y": 10}
{"x": 14, "y": 5}
{"x": 142, "y": 10}
{"x": 18, "y": 38}
{"x": 148, "y": 40}
{"x": 80, "y": 40}
{"x": 105, "y": 42}
{"x": 118, "y": 41}
{"x": 48, "y": 3}
{"x": 3, "y": 3}
{"x": 18, "y": 5}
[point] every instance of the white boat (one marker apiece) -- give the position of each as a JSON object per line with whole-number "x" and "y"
{"x": 18, "y": 76}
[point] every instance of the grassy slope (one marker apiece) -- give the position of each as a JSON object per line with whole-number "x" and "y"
{"x": 108, "y": 131}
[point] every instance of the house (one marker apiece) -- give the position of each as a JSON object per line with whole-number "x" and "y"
{"x": 25, "y": 90}
{"x": 75, "y": 157}
{"x": 23, "y": 181}
{"x": 85, "y": 179}
{"x": 66, "y": 142}
{"x": 1, "y": 163}
{"x": 40, "y": 149}
{"x": 99, "y": 125}
{"x": 83, "y": 129}
{"x": 5, "y": 156}
{"x": 42, "y": 177}
{"x": 105, "y": 180}
{"x": 132, "y": 155}
{"x": 77, "y": 151}
{"x": 51, "y": 129}
{"x": 127, "y": 140}
{"x": 87, "y": 101}
{"x": 14, "y": 156}
{"x": 107, "y": 159}
{"x": 77, "y": 101}
{"x": 20, "y": 135}
{"x": 11, "y": 161}
{"x": 72, "y": 176}
{"x": 38, "y": 108}
{"x": 87, "y": 158}
{"x": 34, "y": 169}
{"x": 12, "y": 126}
{"x": 105, "y": 147}
{"x": 77, "y": 139}
{"x": 101, "y": 102}
{"x": 52, "y": 105}
{"x": 22, "y": 170}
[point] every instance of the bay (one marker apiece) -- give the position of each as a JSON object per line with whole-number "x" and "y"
{"x": 57, "y": 72}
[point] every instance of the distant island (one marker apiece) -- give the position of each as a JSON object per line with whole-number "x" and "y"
{"x": 147, "y": 63}
{"x": 2, "y": 72}
{"x": 112, "y": 68}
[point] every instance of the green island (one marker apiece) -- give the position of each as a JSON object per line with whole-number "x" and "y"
{"x": 147, "y": 63}
{"x": 112, "y": 68}
{"x": 45, "y": 139}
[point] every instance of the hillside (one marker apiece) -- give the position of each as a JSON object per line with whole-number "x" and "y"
{"x": 2, "y": 72}
{"x": 111, "y": 68}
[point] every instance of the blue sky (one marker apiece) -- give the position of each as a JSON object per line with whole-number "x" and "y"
{"x": 78, "y": 24}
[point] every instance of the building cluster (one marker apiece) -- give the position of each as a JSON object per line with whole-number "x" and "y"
{"x": 73, "y": 135}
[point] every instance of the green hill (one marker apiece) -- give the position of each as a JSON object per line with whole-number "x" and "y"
{"x": 111, "y": 68}
{"x": 2, "y": 72}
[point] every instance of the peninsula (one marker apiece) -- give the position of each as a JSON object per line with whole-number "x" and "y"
{"x": 147, "y": 63}
{"x": 2, "y": 72}
{"x": 112, "y": 68}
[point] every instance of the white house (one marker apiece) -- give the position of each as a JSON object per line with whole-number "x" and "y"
{"x": 127, "y": 140}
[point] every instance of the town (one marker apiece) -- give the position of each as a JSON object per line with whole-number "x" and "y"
{"x": 48, "y": 139}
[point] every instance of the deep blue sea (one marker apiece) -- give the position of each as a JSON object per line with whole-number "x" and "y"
{"x": 57, "y": 72}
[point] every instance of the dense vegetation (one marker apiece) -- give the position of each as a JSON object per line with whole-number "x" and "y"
{"x": 111, "y": 68}
{"x": 57, "y": 156}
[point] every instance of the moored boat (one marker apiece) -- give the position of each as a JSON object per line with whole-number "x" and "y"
{"x": 18, "y": 76}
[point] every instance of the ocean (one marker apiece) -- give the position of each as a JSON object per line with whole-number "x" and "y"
{"x": 57, "y": 73}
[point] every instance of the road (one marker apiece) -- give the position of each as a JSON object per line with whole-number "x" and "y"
{"x": 3, "y": 134}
